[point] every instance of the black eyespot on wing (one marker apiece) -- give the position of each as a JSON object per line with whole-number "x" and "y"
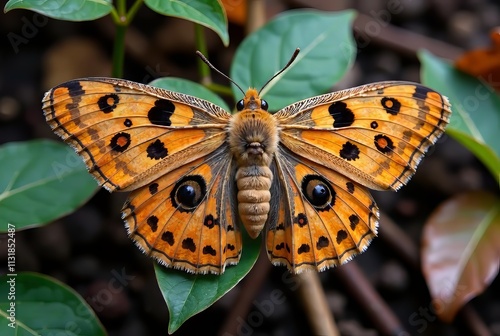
{"x": 153, "y": 188}
{"x": 120, "y": 142}
{"x": 188, "y": 193}
{"x": 168, "y": 237}
{"x": 304, "y": 248}
{"x": 188, "y": 244}
{"x": 341, "y": 235}
{"x": 322, "y": 242}
{"x": 349, "y": 151}
{"x": 107, "y": 103}
{"x": 301, "y": 220}
{"x": 384, "y": 144}
{"x": 152, "y": 221}
{"x": 341, "y": 114}
{"x": 209, "y": 250}
{"x": 391, "y": 105}
{"x": 210, "y": 221}
{"x": 160, "y": 113}
{"x": 157, "y": 150}
{"x": 318, "y": 191}
{"x": 354, "y": 220}
{"x": 350, "y": 187}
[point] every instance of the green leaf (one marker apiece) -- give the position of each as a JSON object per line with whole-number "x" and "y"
{"x": 189, "y": 88}
{"x": 208, "y": 13}
{"x": 327, "y": 52}
{"x": 40, "y": 181}
{"x": 69, "y": 10}
{"x": 475, "y": 120}
{"x": 44, "y": 306}
{"x": 188, "y": 294}
{"x": 460, "y": 250}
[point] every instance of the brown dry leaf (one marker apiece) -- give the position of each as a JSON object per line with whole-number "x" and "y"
{"x": 483, "y": 63}
{"x": 236, "y": 11}
{"x": 461, "y": 250}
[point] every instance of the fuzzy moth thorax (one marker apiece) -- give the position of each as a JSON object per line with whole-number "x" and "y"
{"x": 253, "y": 137}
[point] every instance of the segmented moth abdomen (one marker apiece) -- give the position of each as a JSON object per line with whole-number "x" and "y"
{"x": 254, "y": 184}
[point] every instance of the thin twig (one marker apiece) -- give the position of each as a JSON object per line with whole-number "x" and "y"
{"x": 315, "y": 305}
{"x": 368, "y": 298}
{"x": 399, "y": 241}
{"x": 250, "y": 287}
{"x": 256, "y": 15}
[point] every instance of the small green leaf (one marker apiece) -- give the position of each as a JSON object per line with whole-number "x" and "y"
{"x": 475, "y": 120}
{"x": 189, "y": 88}
{"x": 44, "y": 306}
{"x": 69, "y": 10}
{"x": 327, "y": 52}
{"x": 40, "y": 181}
{"x": 188, "y": 294}
{"x": 208, "y": 13}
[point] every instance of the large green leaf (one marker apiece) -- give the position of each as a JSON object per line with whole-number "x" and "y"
{"x": 40, "y": 181}
{"x": 189, "y": 88}
{"x": 42, "y": 305}
{"x": 69, "y": 10}
{"x": 327, "y": 52}
{"x": 475, "y": 120}
{"x": 188, "y": 294}
{"x": 209, "y": 13}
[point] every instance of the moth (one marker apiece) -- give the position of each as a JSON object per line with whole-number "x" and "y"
{"x": 199, "y": 174}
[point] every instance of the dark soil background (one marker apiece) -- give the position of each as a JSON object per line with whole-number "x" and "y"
{"x": 89, "y": 249}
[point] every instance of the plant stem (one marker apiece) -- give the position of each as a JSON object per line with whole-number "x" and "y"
{"x": 121, "y": 7}
{"x": 114, "y": 15}
{"x": 201, "y": 45}
{"x": 119, "y": 51}
{"x": 121, "y": 23}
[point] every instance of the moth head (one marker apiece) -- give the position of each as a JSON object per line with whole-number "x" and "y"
{"x": 251, "y": 101}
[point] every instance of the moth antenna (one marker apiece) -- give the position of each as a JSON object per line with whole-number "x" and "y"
{"x": 294, "y": 56}
{"x": 207, "y": 62}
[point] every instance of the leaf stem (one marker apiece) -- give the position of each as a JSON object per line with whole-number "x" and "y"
{"x": 119, "y": 51}
{"x": 121, "y": 8}
{"x": 133, "y": 10}
{"x": 201, "y": 45}
{"x": 121, "y": 22}
{"x": 114, "y": 15}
